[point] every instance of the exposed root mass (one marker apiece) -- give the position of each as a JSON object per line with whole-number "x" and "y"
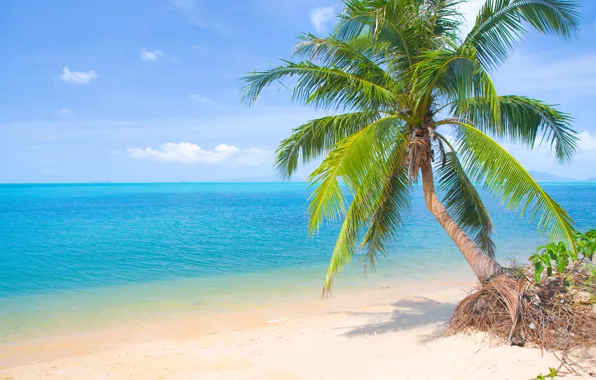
{"x": 558, "y": 314}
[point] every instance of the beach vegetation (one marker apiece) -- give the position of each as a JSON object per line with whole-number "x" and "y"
{"x": 548, "y": 304}
{"x": 546, "y": 256}
{"x": 411, "y": 99}
{"x": 552, "y": 373}
{"x": 559, "y": 257}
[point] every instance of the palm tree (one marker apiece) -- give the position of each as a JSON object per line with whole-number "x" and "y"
{"x": 417, "y": 97}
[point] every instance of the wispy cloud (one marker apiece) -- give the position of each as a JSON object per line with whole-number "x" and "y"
{"x": 77, "y": 77}
{"x": 189, "y": 153}
{"x": 194, "y": 12}
{"x": 66, "y": 112}
{"x": 321, "y": 17}
{"x": 201, "y": 99}
{"x": 48, "y": 171}
{"x": 151, "y": 55}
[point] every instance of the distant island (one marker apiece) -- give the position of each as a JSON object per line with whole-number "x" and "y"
{"x": 547, "y": 177}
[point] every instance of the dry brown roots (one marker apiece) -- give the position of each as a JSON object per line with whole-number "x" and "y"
{"x": 557, "y": 314}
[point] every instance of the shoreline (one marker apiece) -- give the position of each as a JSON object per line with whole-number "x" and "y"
{"x": 28, "y": 317}
{"x": 380, "y": 333}
{"x": 54, "y": 345}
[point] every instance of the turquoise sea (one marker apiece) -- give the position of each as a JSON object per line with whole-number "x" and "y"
{"x": 79, "y": 255}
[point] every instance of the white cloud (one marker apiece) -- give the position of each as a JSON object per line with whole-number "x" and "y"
{"x": 151, "y": 55}
{"x": 77, "y": 77}
{"x": 320, "y": 18}
{"x": 189, "y": 153}
{"x": 201, "y": 99}
{"x": 587, "y": 141}
{"x": 66, "y": 112}
{"x": 48, "y": 171}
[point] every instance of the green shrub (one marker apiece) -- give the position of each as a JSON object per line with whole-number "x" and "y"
{"x": 586, "y": 244}
{"x": 556, "y": 255}
{"x": 545, "y": 256}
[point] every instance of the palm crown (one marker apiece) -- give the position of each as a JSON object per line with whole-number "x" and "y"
{"x": 400, "y": 77}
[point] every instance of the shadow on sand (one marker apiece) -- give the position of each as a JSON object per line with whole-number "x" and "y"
{"x": 408, "y": 313}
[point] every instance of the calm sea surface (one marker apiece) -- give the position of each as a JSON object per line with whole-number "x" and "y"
{"x": 76, "y": 255}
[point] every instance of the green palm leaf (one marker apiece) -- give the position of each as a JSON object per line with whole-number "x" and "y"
{"x": 464, "y": 203}
{"x": 500, "y": 25}
{"x": 445, "y": 16}
{"x": 486, "y": 161}
{"x": 352, "y": 159}
{"x": 380, "y": 199}
{"x": 391, "y": 207}
{"x": 524, "y": 120}
{"x": 408, "y": 27}
{"x": 455, "y": 75}
{"x": 329, "y": 88}
{"x": 357, "y": 56}
{"x": 355, "y": 18}
{"x": 317, "y": 137}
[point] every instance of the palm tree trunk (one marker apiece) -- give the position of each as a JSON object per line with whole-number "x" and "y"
{"x": 482, "y": 265}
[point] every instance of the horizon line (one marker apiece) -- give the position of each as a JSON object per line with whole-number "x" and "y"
{"x": 590, "y": 180}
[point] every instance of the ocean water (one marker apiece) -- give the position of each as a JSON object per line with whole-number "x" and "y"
{"x": 82, "y": 255}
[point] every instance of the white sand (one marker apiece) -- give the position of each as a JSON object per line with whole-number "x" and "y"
{"x": 379, "y": 334}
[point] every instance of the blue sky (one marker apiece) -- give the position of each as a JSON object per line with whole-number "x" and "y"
{"x": 149, "y": 90}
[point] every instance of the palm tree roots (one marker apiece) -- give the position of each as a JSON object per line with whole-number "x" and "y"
{"x": 557, "y": 314}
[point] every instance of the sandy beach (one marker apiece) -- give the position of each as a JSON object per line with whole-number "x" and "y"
{"x": 393, "y": 332}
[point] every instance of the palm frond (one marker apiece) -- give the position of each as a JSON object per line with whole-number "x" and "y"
{"x": 503, "y": 176}
{"x": 446, "y": 17}
{"x": 372, "y": 21}
{"x": 380, "y": 199}
{"x": 455, "y": 75}
{"x": 391, "y": 207}
{"x": 351, "y": 160}
{"x": 526, "y": 121}
{"x": 409, "y": 27}
{"x": 355, "y": 19}
{"x": 464, "y": 203}
{"x": 500, "y": 25}
{"x": 324, "y": 87}
{"x": 317, "y": 137}
{"x": 356, "y": 56}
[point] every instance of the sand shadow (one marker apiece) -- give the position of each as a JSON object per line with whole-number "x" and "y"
{"x": 408, "y": 313}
